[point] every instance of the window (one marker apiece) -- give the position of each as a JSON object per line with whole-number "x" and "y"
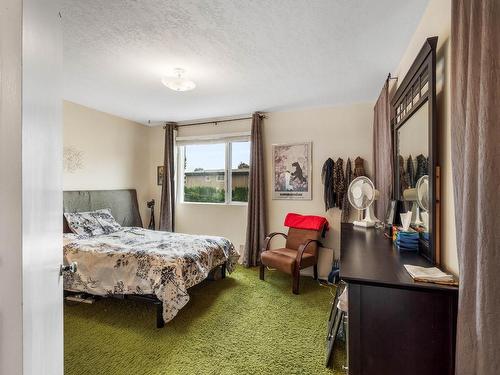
{"x": 201, "y": 161}
{"x": 240, "y": 168}
{"x": 215, "y": 172}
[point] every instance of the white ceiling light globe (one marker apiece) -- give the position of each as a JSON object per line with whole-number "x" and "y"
{"x": 178, "y": 82}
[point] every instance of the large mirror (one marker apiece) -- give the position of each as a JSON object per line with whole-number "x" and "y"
{"x": 413, "y": 156}
{"x": 415, "y": 151}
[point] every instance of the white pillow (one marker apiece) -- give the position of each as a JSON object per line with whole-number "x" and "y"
{"x": 92, "y": 223}
{"x": 107, "y": 221}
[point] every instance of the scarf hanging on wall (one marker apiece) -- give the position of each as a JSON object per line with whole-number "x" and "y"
{"x": 404, "y": 181}
{"x": 336, "y": 183}
{"x": 422, "y": 167}
{"x": 327, "y": 175}
{"x": 339, "y": 182}
{"x": 346, "y": 206}
{"x": 359, "y": 167}
{"x": 410, "y": 169}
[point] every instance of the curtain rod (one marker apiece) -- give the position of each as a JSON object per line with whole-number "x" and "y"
{"x": 389, "y": 77}
{"x": 215, "y": 122}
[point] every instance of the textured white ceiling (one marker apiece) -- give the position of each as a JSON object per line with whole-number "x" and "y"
{"x": 243, "y": 55}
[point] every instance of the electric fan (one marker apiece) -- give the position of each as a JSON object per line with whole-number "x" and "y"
{"x": 419, "y": 195}
{"x": 423, "y": 192}
{"x": 361, "y": 195}
{"x": 423, "y": 199}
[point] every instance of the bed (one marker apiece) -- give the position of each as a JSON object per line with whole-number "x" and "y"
{"x": 136, "y": 263}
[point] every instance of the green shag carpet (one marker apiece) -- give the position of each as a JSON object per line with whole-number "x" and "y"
{"x": 238, "y": 325}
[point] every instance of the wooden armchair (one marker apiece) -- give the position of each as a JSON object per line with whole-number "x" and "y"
{"x": 300, "y": 251}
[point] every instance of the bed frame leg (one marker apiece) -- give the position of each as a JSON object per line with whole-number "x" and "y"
{"x": 223, "y": 271}
{"x": 160, "y": 323}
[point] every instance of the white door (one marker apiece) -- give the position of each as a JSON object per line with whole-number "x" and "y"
{"x": 31, "y": 320}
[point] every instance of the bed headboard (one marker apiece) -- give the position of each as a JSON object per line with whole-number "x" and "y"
{"x": 123, "y": 205}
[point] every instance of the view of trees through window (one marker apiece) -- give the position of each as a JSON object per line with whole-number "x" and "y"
{"x": 240, "y": 167}
{"x": 205, "y": 178}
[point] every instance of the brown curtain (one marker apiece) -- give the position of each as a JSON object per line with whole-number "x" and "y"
{"x": 167, "y": 208}
{"x": 475, "y": 141}
{"x": 256, "y": 221}
{"x": 382, "y": 150}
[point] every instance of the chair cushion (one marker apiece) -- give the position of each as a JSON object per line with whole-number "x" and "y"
{"x": 283, "y": 259}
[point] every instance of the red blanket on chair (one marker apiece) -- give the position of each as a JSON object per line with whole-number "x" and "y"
{"x": 310, "y": 222}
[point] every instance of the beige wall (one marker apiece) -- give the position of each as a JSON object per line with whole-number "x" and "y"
{"x": 114, "y": 153}
{"x": 436, "y": 21}
{"x": 344, "y": 131}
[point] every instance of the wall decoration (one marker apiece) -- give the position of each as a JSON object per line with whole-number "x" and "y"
{"x": 73, "y": 159}
{"x": 159, "y": 175}
{"x": 292, "y": 168}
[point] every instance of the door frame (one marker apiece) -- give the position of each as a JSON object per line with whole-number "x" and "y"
{"x": 31, "y": 309}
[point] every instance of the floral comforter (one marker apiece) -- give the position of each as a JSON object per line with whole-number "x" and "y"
{"x": 140, "y": 261}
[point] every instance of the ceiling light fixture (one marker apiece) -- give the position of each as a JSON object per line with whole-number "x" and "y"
{"x": 178, "y": 82}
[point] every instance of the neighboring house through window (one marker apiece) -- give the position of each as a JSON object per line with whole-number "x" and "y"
{"x": 215, "y": 171}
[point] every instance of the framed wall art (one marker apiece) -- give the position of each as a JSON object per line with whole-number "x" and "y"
{"x": 292, "y": 171}
{"x": 159, "y": 175}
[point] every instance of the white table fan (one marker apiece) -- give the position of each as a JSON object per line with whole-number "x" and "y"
{"x": 361, "y": 194}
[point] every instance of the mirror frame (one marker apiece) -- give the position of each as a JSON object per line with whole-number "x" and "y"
{"x": 403, "y": 106}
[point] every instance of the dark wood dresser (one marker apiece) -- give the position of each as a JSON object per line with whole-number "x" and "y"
{"x": 396, "y": 326}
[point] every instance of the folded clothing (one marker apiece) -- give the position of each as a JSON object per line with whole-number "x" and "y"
{"x": 407, "y": 241}
{"x": 310, "y": 222}
{"x": 407, "y": 247}
{"x": 430, "y": 275}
